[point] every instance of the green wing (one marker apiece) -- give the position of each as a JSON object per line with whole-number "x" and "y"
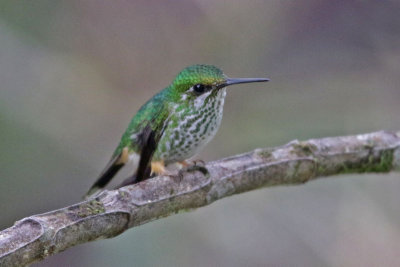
{"x": 142, "y": 137}
{"x": 151, "y": 116}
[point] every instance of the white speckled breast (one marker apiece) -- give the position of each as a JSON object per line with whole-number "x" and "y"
{"x": 195, "y": 127}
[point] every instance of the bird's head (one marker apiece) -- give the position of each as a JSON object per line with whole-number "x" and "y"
{"x": 204, "y": 81}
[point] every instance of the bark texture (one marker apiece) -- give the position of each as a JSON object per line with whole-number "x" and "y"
{"x": 112, "y": 212}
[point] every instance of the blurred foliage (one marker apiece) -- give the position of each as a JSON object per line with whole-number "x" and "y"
{"x": 74, "y": 72}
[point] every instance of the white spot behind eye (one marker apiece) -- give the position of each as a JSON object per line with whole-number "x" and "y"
{"x": 184, "y": 96}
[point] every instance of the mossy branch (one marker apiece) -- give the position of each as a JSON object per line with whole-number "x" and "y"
{"x": 112, "y": 212}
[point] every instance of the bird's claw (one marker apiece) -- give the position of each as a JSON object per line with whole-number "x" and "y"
{"x": 193, "y": 168}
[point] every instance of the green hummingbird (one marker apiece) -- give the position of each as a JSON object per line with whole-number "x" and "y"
{"x": 173, "y": 126}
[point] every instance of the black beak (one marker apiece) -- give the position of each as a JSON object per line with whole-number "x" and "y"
{"x": 232, "y": 81}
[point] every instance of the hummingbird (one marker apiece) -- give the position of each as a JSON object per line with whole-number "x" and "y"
{"x": 173, "y": 126}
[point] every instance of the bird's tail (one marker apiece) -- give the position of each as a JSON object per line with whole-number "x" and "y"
{"x": 105, "y": 177}
{"x": 149, "y": 139}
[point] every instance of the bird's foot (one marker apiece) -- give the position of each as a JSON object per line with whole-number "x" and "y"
{"x": 195, "y": 165}
{"x": 188, "y": 163}
{"x": 158, "y": 168}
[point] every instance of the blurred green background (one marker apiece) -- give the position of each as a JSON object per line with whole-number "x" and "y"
{"x": 74, "y": 72}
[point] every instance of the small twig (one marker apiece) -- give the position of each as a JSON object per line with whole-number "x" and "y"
{"x": 112, "y": 212}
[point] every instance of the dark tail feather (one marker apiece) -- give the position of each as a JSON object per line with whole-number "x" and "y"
{"x": 105, "y": 177}
{"x": 149, "y": 139}
{"x": 149, "y": 147}
{"x": 149, "y": 142}
{"x": 135, "y": 178}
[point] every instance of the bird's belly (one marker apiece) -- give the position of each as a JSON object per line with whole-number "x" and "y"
{"x": 190, "y": 134}
{"x": 191, "y": 140}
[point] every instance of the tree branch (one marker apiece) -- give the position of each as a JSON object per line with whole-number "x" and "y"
{"x": 112, "y": 212}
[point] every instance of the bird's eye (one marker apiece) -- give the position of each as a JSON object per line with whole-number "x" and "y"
{"x": 199, "y": 88}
